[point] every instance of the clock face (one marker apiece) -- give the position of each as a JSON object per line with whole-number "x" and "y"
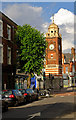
{"x": 51, "y": 47}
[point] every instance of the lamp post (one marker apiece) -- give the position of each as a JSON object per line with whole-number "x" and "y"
{"x": 44, "y": 77}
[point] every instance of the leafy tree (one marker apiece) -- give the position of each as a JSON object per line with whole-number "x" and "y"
{"x": 32, "y": 45}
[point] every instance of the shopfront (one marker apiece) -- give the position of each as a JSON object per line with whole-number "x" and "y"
{"x": 33, "y": 82}
{"x": 20, "y": 82}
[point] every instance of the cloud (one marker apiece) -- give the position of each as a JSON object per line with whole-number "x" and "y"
{"x": 24, "y": 14}
{"x": 63, "y": 16}
{"x": 65, "y": 20}
{"x": 44, "y": 27}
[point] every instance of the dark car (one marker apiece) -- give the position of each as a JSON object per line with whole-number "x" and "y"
{"x": 3, "y": 103}
{"x": 44, "y": 93}
{"x": 29, "y": 95}
{"x": 36, "y": 91}
{"x": 13, "y": 97}
{"x": 41, "y": 93}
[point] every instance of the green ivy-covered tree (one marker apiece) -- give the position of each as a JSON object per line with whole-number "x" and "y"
{"x": 32, "y": 45}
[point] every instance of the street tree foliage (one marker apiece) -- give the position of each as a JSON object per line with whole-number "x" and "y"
{"x": 32, "y": 45}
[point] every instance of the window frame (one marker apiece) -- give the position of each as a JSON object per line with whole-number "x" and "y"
{"x": 8, "y": 58}
{"x": 66, "y": 69}
{"x": 1, "y": 47}
{"x": 9, "y": 35}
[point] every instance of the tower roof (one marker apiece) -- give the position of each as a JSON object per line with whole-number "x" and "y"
{"x": 53, "y": 25}
{"x": 53, "y": 30}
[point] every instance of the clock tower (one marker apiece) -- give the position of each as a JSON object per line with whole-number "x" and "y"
{"x": 53, "y": 51}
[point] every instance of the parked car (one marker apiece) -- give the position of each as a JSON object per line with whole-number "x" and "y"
{"x": 36, "y": 91}
{"x": 41, "y": 93}
{"x": 47, "y": 93}
{"x": 44, "y": 93}
{"x": 13, "y": 97}
{"x": 3, "y": 103}
{"x": 4, "y": 106}
{"x": 29, "y": 95}
{"x": 50, "y": 90}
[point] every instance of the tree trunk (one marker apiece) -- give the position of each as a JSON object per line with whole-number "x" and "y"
{"x": 29, "y": 81}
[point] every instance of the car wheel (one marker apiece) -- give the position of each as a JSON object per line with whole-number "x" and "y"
{"x": 25, "y": 101}
{"x": 30, "y": 99}
{"x": 16, "y": 103}
{"x": 36, "y": 98}
{"x": 6, "y": 106}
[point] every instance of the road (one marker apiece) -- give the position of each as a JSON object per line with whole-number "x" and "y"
{"x": 51, "y": 108}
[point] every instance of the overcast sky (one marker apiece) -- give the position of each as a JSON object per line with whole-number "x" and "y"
{"x": 39, "y": 15}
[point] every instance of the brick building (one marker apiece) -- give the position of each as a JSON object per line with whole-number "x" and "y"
{"x": 66, "y": 59}
{"x": 69, "y": 66}
{"x": 7, "y": 51}
{"x": 53, "y": 51}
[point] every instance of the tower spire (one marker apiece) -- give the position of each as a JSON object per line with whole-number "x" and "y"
{"x": 53, "y": 18}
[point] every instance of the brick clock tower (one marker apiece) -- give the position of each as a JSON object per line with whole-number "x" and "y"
{"x": 54, "y": 51}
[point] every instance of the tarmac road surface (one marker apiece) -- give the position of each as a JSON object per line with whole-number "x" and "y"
{"x": 51, "y": 108}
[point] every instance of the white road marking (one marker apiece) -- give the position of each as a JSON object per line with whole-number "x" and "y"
{"x": 61, "y": 96}
{"x": 33, "y": 115}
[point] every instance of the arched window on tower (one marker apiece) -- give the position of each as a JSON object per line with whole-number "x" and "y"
{"x": 51, "y": 31}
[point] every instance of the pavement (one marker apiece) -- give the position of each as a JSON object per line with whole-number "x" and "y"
{"x": 70, "y": 91}
{"x": 65, "y": 91}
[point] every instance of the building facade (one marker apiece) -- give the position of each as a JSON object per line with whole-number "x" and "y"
{"x": 7, "y": 51}
{"x": 69, "y": 67}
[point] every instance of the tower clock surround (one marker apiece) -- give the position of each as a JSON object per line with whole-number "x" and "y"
{"x": 51, "y": 46}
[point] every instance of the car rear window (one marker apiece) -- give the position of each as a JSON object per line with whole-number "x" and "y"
{"x": 7, "y": 92}
{"x": 29, "y": 91}
{"x": 17, "y": 92}
{"x": 0, "y": 92}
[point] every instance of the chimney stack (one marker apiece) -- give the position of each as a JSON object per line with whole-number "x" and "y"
{"x": 73, "y": 52}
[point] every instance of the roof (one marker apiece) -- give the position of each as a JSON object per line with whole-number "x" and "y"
{"x": 68, "y": 57}
{"x": 53, "y": 25}
{"x": 7, "y": 18}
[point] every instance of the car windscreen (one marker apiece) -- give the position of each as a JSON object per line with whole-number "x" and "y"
{"x": 23, "y": 91}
